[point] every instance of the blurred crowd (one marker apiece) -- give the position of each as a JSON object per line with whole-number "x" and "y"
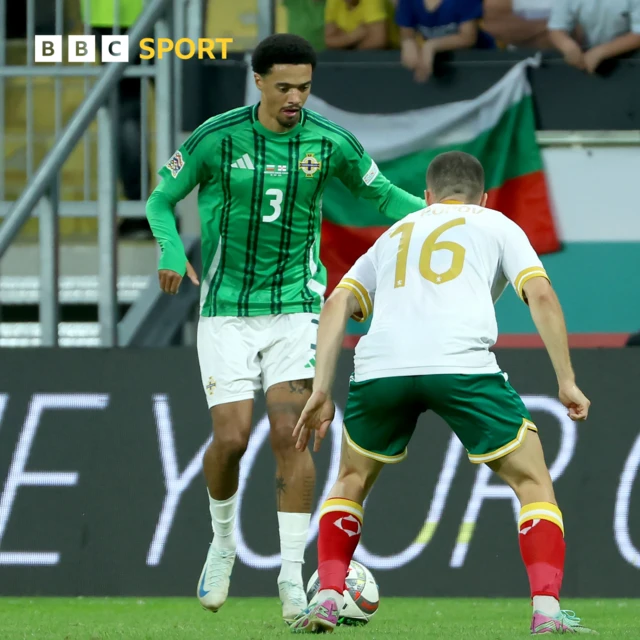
{"x": 586, "y": 32}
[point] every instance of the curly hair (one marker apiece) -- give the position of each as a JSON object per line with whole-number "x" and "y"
{"x": 282, "y": 48}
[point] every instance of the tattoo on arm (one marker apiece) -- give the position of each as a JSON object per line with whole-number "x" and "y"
{"x": 280, "y": 489}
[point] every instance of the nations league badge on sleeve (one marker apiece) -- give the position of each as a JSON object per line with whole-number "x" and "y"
{"x": 175, "y": 164}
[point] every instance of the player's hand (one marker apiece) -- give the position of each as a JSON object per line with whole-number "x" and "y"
{"x": 170, "y": 280}
{"x": 424, "y": 69}
{"x": 593, "y": 59}
{"x": 316, "y": 416}
{"x": 574, "y": 56}
{"x": 574, "y": 400}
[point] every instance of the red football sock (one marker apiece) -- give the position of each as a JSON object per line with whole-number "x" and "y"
{"x": 542, "y": 547}
{"x": 340, "y": 528}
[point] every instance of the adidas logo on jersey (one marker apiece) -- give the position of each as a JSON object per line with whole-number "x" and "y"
{"x": 243, "y": 163}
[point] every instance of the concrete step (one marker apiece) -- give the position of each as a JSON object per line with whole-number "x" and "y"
{"x": 29, "y": 334}
{"x": 135, "y": 258}
{"x": 73, "y": 290}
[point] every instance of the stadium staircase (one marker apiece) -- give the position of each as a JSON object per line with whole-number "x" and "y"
{"x": 78, "y": 284}
{"x": 145, "y": 318}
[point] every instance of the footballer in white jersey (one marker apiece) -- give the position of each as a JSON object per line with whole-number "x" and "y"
{"x": 431, "y": 282}
{"x": 434, "y": 278}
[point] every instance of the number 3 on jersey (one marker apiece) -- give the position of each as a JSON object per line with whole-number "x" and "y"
{"x": 276, "y": 203}
{"x": 430, "y": 245}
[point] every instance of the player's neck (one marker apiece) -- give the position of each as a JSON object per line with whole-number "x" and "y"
{"x": 269, "y": 122}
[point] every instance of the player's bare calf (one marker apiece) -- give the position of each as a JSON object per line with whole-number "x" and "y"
{"x": 295, "y": 481}
{"x": 231, "y": 430}
{"x": 295, "y": 478}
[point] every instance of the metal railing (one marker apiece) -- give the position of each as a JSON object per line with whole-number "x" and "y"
{"x": 45, "y": 195}
{"x": 41, "y": 197}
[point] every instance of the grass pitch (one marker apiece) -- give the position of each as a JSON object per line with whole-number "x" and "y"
{"x": 257, "y": 618}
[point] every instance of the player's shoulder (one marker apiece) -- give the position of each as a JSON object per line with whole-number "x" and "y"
{"x": 488, "y": 215}
{"x": 222, "y": 123}
{"x": 501, "y": 228}
{"x": 414, "y": 217}
{"x": 231, "y": 118}
{"x": 319, "y": 124}
{"x": 492, "y": 218}
{"x": 502, "y": 222}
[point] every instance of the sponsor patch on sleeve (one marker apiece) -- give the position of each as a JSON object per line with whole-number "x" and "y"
{"x": 372, "y": 174}
{"x": 175, "y": 164}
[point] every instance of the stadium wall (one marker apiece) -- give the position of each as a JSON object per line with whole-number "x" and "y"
{"x": 102, "y": 492}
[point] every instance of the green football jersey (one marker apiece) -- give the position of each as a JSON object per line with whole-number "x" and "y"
{"x": 260, "y": 206}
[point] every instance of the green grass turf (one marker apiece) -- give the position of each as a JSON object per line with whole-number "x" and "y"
{"x": 256, "y": 618}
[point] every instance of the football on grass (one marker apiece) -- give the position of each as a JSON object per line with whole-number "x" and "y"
{"x": 361, "y": 598}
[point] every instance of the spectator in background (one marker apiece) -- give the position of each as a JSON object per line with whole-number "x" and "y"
{"x": 518, "y": 23}
{"x": 588, "y": 32}
{"x": 445, "y": 25}
{"x": 305, "y": 18}
{"x": 359, "y": 24}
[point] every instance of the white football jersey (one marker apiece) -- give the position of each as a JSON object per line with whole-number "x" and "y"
{"x": 433, "y": 279}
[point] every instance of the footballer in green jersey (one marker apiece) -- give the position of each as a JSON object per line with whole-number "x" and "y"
{"x": 261, "y": 172}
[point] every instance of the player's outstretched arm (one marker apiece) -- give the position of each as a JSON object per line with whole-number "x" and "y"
{"x": 549, "y": 320}
{"x": 319, "y": 410}
{"x": 360, "y": 174}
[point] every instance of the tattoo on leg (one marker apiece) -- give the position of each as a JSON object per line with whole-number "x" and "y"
{"x": 281, "y": 487}
{"x": 307, "y": 493}
{"x": 300, "y": 386}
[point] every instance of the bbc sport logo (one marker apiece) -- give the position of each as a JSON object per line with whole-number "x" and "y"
{"x": 116, "y": 48}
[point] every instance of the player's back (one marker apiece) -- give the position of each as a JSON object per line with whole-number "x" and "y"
{"x": 438, "y": 273}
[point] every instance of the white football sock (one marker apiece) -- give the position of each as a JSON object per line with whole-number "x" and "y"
{"x": 323, "y": 594}
{"x": 547, "y": 605}
{"x": 294, "y": 531}
{"x": 223, "y": 518}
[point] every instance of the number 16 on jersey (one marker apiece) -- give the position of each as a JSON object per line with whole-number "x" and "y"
{"x": 430, "y": 245}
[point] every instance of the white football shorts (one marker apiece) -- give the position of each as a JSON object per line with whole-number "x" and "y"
{"x": 240, "y": 355}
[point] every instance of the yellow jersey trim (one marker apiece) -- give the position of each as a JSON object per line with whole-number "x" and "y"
{"x": 527, "y": 274}
{"x": 362, "y": 296}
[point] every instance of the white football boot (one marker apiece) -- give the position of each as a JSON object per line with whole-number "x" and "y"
{"x": 213, "y": 586}
{"x": 293, "y": 599}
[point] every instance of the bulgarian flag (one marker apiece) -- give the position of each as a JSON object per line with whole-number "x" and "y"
{"x": 497, "y": 127}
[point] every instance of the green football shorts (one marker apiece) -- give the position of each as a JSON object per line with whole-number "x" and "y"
{"x": 484, "y": 411}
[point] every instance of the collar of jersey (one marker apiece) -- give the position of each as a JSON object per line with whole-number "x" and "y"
{"x": 267, "y": 133}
